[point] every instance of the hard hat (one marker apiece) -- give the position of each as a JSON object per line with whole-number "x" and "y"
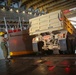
{"x": 2, "y": 33}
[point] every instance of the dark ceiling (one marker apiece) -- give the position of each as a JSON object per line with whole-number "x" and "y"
{"x": 49, "y": 5}
{"x": 40, "y": 5}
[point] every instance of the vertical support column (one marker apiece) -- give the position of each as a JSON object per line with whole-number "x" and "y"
{"x": 20, "y": 23}
{"x": 6, "y": 25}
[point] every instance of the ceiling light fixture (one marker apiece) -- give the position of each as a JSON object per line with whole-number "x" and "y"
{"x": 23, "y": 12}
{"x": 11, "y": 10}
{"x": 3, "y": 8}
{"x": 17, "y": 11}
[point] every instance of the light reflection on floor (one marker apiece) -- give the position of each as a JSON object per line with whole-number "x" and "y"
{"x": 45, "y": 66}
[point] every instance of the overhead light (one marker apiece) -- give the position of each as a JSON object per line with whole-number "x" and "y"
{"x": 72, "y": 18}
{"x": 30, "y": 13}
{"x": 3, "y": 8}
{"x": 17, "y": 11}
{"x": 23, "y": 12}
{"x": 72, "y": 9}
{"x": 37, "y": 39}
{"x": 73, "y": 21}
{"x": 11, "y": 10}
{"x": 34, "y": 14}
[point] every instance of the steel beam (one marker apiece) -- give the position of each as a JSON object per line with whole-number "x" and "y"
{"x": 57, "y": 5}
{"x": 45, "y": 7}
{"x": 32, "y": 3}
{"x": 23, "y": 2}
{"x": 9, "y": 2}
{"x": 61, "y": 4}
{"x": 51, "y": 4}
{"x": 42, "y": 3}
{"x": 63, "y": 7}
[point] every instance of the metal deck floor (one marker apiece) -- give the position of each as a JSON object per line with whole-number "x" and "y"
{"x": 48, "y": 65}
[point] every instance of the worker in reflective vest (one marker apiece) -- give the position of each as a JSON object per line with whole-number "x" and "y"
{"x": 3, "y": 45}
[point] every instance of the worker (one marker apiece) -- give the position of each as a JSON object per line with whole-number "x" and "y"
{"x": 3, "y": 46}
{"x": 40, "y": 45}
